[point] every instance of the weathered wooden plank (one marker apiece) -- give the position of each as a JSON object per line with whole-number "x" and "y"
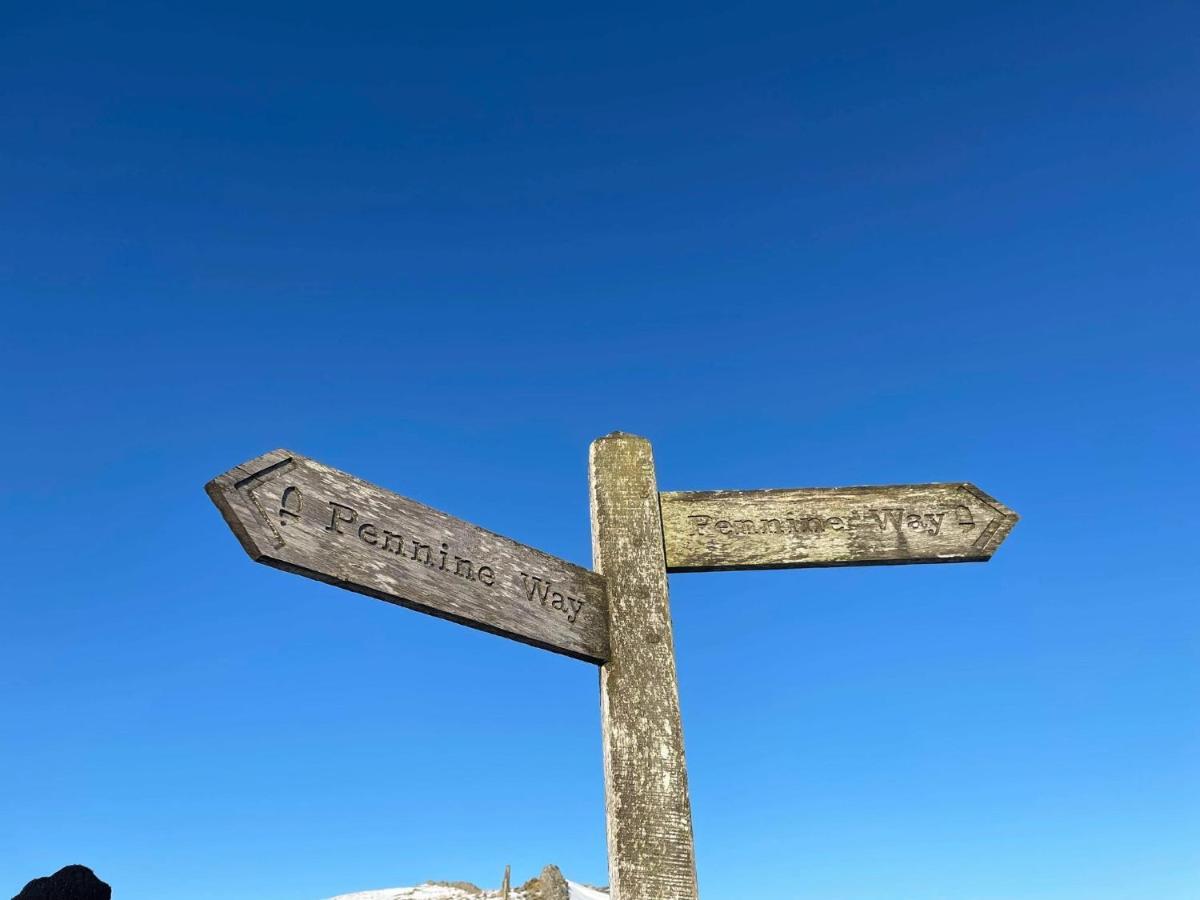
{"x": 298, "y": 515}
{"x": 650, "y": 849}
{"x": 850, "y": 526}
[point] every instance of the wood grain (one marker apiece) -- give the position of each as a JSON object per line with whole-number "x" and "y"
{"x": 298, "y": 515}
{"x": 651, "y": 855}
{"x": 851, "y": 526}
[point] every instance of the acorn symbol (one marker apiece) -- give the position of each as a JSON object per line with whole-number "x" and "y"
{"x": 291, "y": 504}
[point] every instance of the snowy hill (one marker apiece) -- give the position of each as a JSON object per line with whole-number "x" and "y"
{"x": 435, "y": 891}
{"x": 442, "y": 892}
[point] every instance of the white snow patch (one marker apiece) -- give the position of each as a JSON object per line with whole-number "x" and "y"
{"x": 425, "y": 892}
{"x": 581, "y": 892}
{"x": 444, "y": 892}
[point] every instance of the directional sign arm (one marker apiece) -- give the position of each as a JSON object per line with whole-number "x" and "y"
{"x": 852, "y": 526}
{"x": 298, "y": 515}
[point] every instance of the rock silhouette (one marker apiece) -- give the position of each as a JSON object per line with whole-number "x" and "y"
{"x": 69, "y": 883}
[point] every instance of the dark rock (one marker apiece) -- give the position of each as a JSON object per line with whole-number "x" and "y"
{"x": 70, "y": 883}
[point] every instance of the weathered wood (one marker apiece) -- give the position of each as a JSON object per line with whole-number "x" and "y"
{"x": 851, "y": 526}
{"x": 650, "y": 850}
{"x": 298, "y": 515}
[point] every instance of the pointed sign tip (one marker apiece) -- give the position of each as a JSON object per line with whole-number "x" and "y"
{"x": 230, "y": 493}
{"x": 1007, "y": 512}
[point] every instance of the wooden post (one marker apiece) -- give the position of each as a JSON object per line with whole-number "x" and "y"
{"x": 650, "y": 852}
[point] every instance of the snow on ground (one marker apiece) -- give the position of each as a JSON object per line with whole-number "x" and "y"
{"x": 579, "y": 892}
{"x": 421, "y": 892}
{"x": 444, "y": 892}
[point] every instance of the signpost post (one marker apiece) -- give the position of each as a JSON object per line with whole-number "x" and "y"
{"x": 298, "y": 515}
{"x": 650, "y": 850}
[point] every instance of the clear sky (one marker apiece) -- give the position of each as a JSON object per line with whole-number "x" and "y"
{"x": 443, "y": 247}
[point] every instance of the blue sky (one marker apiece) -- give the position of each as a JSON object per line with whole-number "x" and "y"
{"x": 444, "y": 247}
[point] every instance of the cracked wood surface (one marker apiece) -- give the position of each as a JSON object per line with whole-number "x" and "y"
{"x": 851, "y": 526}
{"x": 298, "y": 515}
{"x": 650, "y": 848}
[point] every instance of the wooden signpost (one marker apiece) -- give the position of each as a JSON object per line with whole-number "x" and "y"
{"x": 650, "y": 850}
{"x": 298, "y": 515}
{"x": 853, "y": 526}
{"x": 295, "y": 514}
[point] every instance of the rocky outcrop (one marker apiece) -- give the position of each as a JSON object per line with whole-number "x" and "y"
{"x": 550, "y": 885}
{"x": 70, "y": 883}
